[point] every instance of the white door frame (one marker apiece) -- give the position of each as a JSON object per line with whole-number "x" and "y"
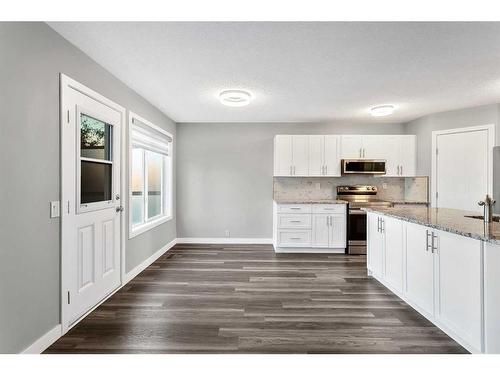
{"x": 490, "y": 128}
{"x": 67, "y": 83}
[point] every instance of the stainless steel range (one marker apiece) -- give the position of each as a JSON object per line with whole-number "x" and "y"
{"x": 358, "y": 196}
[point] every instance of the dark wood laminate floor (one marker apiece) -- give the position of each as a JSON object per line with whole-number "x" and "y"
{"x": 246, "y": 298}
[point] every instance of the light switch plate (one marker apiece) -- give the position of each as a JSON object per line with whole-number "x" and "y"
{"x": 55, "y": 210}
{"x": 318, "y": 185}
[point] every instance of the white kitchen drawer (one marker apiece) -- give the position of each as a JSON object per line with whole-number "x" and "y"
{"x": 294, "y": 208}
{"x": 294, "y": 238}
{"x": 329, "y": 208}
{"x": 291, "y": 221}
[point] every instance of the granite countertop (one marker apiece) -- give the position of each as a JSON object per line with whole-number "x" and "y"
{"x": 307, "y": 201}
{"x": 404, "y": 201}
{"x": 445, "y": 219}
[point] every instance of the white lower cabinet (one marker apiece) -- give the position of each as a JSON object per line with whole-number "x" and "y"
{"x": 316, "y": 227}
{"x": 419, "y": 289}
{"x": 375, "y": 245}
{"x": 492, "y": 298}
{"x": 393, "y": 254}
{"x": 458, "y": 286}
{"x": 440, "y": 274}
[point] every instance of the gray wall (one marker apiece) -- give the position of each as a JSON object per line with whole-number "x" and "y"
{"x": 224, "y": 174}
{"x": 32, "y": 56}
{"x": 424, "y": 126}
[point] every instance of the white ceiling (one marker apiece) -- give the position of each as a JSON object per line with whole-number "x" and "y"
{"x": 318, "y": 71}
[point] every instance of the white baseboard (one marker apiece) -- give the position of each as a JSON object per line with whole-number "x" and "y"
{"x": 308, "y": 250}
{"x": 44, "y": 342}
{"x": 223, "y": 240}
{"x": 146, "y": 263}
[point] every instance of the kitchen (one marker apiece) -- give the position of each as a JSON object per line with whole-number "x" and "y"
{"x": 292, "y": 195}
{"x": 441, "y": 261}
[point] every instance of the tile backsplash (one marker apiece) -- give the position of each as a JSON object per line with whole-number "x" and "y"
{"x": 389, "y": 188}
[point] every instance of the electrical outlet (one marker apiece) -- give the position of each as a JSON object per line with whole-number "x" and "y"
{"x": 227, "y": 233}
{"x": 318, "y": 185}
{"x": 384, "y": 186}
{"x": 54, "y": 209}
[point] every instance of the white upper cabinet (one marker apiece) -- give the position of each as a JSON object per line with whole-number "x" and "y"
{"x": 408, "y": 156}
{"x": 300, "y": 155}
{"x": 324, "y": 155}
{"x": 331, "y": 158}
{"x": 399, "y": 151}
{"x": 291, "y": 155}
{"x": 283, "y": 161}
{"x": 352, "y": 146}
{"x": 320, "y": 155}
{"x": 316, "y": 155}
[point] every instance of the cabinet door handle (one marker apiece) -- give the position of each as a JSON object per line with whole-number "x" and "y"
{"x": 294, "y": 221}
{"x": 364, "y": 152}
{"x": 432, "y": 244}
{"x": 401, "y": 170}
{"x": 295, "y": 238}
{"x": 290, "y": 170}
{"x": 331, "y": 221}
{"x": 378, "y": 224}
{"x": 326, "y": 169}
{"x": 294, "y": 170}
{"x": 427, "y": 240}
{"x": 382, "y": 225}
{"x": 360, "y": 150}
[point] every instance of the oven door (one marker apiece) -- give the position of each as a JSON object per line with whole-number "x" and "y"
{"x": 357, "y": 231}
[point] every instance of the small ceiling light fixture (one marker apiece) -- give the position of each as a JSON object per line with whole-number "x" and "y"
{"x": 382, "y": 110}
{"x": 235, "y": 98}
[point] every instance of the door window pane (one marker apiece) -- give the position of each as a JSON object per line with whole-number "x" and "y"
{"x": 95, "y": 138}
{"x": 95, "y": 184}
{"x": 137, "y": 186}
{"x": 154, "y": 165}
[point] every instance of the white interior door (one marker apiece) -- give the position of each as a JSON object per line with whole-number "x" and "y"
{"x": 91, "y": 183}
{"x": 462, "y": 167}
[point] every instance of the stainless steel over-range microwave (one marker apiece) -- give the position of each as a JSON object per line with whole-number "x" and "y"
{"x": 363, "y": 166}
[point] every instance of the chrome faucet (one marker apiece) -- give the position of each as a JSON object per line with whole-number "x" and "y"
{"x": 488, "y": 208}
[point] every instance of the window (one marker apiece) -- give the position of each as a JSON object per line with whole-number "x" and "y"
{"x": 95, "y": 169}
{"x": 150, "y": 176}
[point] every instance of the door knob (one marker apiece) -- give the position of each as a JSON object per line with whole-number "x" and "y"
{"x": 119, "y": 209}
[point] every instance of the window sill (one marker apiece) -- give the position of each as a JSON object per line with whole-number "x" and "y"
{"x": 134, "y": 232}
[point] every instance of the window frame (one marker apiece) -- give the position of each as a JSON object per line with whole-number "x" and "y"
{"x": 99, "y": 205}
{"x": 167, "y": 182}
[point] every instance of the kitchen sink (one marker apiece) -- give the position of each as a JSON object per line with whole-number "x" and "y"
{"x": 481, "y": 217}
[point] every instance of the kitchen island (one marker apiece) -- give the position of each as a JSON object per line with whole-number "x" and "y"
{"x": 444, "y": 264}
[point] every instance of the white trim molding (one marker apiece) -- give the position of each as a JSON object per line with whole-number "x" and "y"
{"x": 167, "y": 181}
{"x": 223, "y": 240}
{"x": 490, "y": 128}
{"x": 66, "y": 85}
{"x": 146, "y": 263}
{"x": 45, "y": 341}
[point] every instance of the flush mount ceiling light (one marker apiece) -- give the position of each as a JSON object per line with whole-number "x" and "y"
{"x": 235, "y": 98}
{"x": 382, "y": 110}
